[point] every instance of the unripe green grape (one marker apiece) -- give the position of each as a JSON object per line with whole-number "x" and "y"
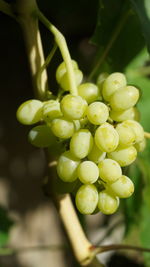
{"x": 109, "y": 170}
{"x": 62, "y": 128}
{"x": 112, "y": 83}
{"x": 97, "y": 113}
{"x": 123, "y": 187}
{"x": 51, "y": 110}
{"x": 88, "y": 172}
{"x": 126, "y": 134}
{"x": 100, "y": 80}
{"x": 81, "y": 143}
{"x": 106, "y": 137}
{"x": 61, "y": 70}
{"x": 67, "y": 167}
{"x": 89, "y": 92}
{"x": 141, "y": 145}
{"x": 124, "y": 156}
{"x": 30, "y": 112}
{"x": 119, "y": 116}
{"x": 124, "y": 98}
{"x": 137, "y": 129}
{"x": 41, "y": 136}
{"x": 64, "y": 81}
{"x": 107, "y": 202}
{"x": 86, "y": 199}
{"x": 73, "y": 107}
{"x": 96, "y": 155}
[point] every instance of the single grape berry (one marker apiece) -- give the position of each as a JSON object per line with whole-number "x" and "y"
{"x": 67, "y": 167}
{"x": 97, "y": 113}
{"x": 124, "y": 98}
{"x": 106, "y": 137}
{"x": 73, "y": 107}
{"x": 107, "y": 202}
{"x": 86, "y": 199}
{"x": 124, "y": 156}
{"x": 123, "y": 187}
{"x": 88, "y": 172}
{"x": 81, "y": 143}
{"x": 89, "y": 92}
{"x": 126, "y": 135}
{"x": 51, "y": 110}
{"x": 96, "y": 155}
{"x": 137, "y": 129}
{"x": 64, "y": 81}
{"x": 112, "y": 83}
{"x": 109, "y": 170}
{"x": 30, "y": 112}
{"x": 119, "y": 116}
{"x": 61, "y": 70}
{"x": 62, "y": 128}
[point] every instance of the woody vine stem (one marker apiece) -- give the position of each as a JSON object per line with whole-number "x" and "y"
{"x": 28, "y": 15}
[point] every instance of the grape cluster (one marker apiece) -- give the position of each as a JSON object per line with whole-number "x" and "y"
{"x": 101, "y": 133}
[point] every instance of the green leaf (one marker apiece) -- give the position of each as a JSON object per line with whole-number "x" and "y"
{"x": 5, "y": 224}
{"x": 142, "y": 9}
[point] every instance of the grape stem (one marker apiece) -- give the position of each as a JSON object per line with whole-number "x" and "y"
{"x": 61, "y": 42}
{"x": 147, "y": 135}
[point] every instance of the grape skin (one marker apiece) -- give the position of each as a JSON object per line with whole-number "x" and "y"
{"x": 126, "y": 134}
{"x": 124, "y": 98}
{"x": 73, "y": 107}
{"x": 81, "y": 143}
{"x": 89, "y": 92}
{"x": 112, "y": 83}
{"x": 124, "y": 156}
{"x": 86, "y": 199}
{"x": 137, "y": 129}
{"x": 30, "y": 112}
{"x": 97, "y": 113}
{"x": 41, "y": 136}
{"x": 107, "y": 202}
{"x": 62, "y": 69}
{"x": 67, "y": 167}
{"x": 123, "y": 187}
{"x": 88, "y": 172}
{"x": 62, "y": 128}
{"x": 106, "y": 138}
{"x": 64, "y": 81}
{"x": 51, "y": 110}
{"x": 109, "y": 170}
{"x": 119, "y": 116}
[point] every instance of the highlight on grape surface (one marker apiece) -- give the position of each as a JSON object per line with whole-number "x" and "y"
{"x": 97, "y": 132}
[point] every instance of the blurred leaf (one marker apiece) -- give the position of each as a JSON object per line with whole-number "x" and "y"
{"x": 142, "y": 8}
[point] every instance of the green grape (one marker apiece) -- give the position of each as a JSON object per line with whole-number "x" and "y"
{"x": 119, "y": 116}
{"x": 81, "y": 143}
{"x": 64, "y": 81}
{"x": 97, "y": 113}
{"x": 73, "y": 107}
{"x": 88, "y": 172}
{"x": 126, "y": 134}
{"x": 141, "y": 145}
{"x": 89, "y": 92}
{"x": 67, "y": 167}
{"x": 137, "y": 129}
{"x": 62, "y": 128}
{"x": 51, "y": 110}
{"x": 125, "y": 98}
{"x": 107, "y": 202}
{"x": 123, "y": 187}
{"x": 109, "y": 170}
{"x": 124, "y": 156}
{"x": 96, "y": 155}
{"x": 106, "y": 137}
{"x": 100, "y": 80}
{"x": 41, "y": 136}
{"x": 61, "y": 70}
{"x": 86, "y": 199}
{"x": 112, "y": 83}
{"x": 30, "y": 112}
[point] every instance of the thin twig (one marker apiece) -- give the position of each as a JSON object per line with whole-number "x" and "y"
{"x": 106, "y": 248}
{"x": 147, "y": 135}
